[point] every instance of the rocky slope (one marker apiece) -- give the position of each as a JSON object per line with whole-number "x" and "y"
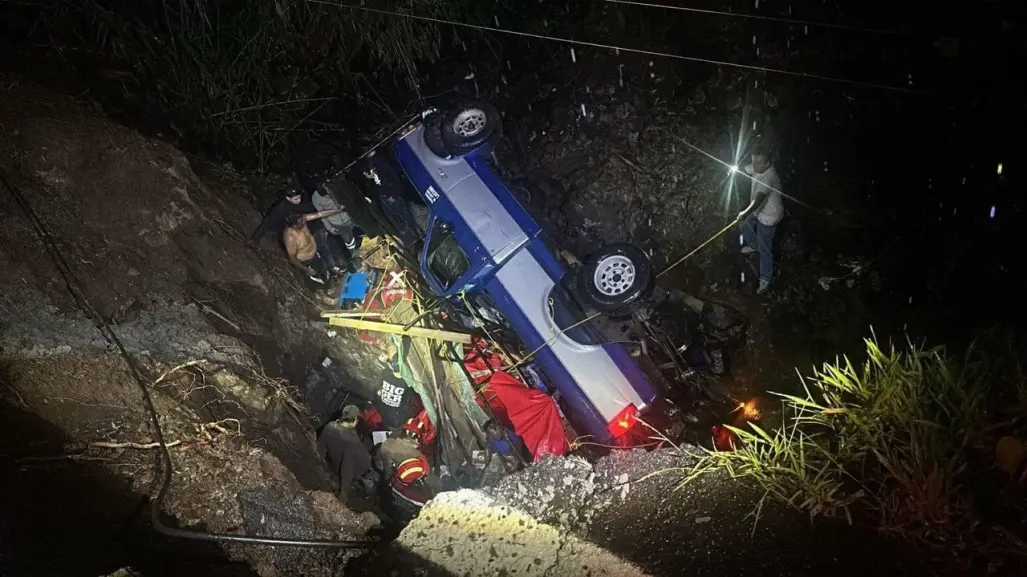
{"x": 161, "y": 254}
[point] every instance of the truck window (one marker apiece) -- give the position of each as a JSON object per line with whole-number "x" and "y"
{"x": 446, "y": 260}
{"x": 567, "y": 314}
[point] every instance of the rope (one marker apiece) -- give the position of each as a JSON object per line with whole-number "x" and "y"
{"x": 768, "y": 18}
{"x": 698, "y": 248}
{"x": 620, "y": 48}
{"x": 576, "y": 443}
{"x": 555, "y": 336}
{"x": 375, "y": 146}
{"x": 550, "y": 341}
{"x": 380, "y": 287}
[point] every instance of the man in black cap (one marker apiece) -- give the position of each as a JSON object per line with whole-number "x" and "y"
{"x": 295, "y": 201}
{"x": 346, "y": 454}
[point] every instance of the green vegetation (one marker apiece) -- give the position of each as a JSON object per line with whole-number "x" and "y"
{"x": 905, "y": 442}
{"x": 241, "y": 75}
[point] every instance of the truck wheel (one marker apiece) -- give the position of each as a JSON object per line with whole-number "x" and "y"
{"x": 616, "y": 277}
{"x": 469, "y": 126}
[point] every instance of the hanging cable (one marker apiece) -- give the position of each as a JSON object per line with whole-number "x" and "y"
{"x": 620, "y": 48}
{"x": 768, "y": 18}
{"x": 373, "y": 147}
{"x": 163, "y": 462}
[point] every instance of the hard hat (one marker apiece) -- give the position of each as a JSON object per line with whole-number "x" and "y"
{"x": 412, "y": 470}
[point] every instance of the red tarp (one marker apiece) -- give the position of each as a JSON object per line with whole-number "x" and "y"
{"x": 531, "y": 413}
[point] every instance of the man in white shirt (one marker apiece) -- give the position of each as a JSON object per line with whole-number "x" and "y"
{"x": 759, "y": 220}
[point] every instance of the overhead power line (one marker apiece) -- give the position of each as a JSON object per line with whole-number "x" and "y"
{"x": 758, "y": 17}
{"x": 620, "y": 48}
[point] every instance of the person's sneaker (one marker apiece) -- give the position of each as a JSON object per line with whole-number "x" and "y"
{"x": 316, "y": 279}
{"x": 764, "y": 286}
{"x": 748, "y": 250}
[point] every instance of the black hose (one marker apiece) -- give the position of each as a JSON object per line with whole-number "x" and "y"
{"x": 163, "y": 462}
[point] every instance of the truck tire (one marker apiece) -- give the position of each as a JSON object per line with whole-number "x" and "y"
{"x": 616, "y": 277}
{"x": 469, "y": 126}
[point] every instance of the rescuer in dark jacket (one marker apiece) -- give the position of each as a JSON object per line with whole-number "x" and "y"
{"x": 294, "y": 201}
{"x": 407, "y": 480}
{"x": 346, "y": 453}
{"x": 393, "y": 399}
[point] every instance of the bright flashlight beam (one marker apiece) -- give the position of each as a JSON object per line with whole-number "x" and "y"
{"x": 732, "y": 168}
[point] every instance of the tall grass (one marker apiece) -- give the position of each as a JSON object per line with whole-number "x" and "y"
{"x": 904, "y": 441}
{"x": 242, "y": 74}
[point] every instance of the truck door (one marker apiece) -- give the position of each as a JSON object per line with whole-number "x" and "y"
{"x": 452, "y": 258}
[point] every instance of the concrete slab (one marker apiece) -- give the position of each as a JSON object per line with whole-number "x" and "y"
{"x": 468, "y": 533}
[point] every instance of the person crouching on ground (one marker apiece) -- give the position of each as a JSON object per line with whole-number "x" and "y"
{"x": 408, "y": 482}
{"x": 344, "y": 450}
{"x": 759, "y": 220}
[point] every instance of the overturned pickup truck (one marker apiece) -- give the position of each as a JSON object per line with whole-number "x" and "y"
{"x": 481, "y": 246}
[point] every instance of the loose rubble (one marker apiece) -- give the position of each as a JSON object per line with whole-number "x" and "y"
{"x": 317, "y": 515}
{"x": 571, "y": 492}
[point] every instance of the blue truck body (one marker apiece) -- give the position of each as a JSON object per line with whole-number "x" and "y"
{"x": 481, "y": 240}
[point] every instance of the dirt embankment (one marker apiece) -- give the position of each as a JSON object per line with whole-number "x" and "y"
{"x": 162, "y": 256}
